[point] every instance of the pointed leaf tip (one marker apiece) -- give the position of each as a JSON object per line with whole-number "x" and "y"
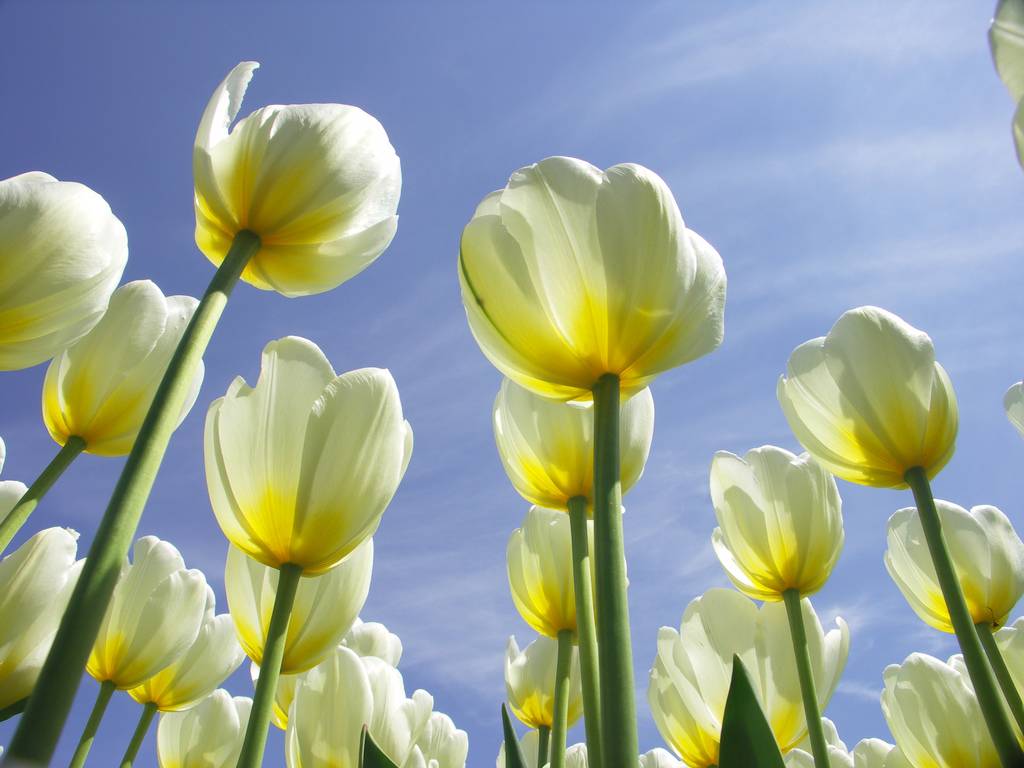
{"x": 747, "y": 740}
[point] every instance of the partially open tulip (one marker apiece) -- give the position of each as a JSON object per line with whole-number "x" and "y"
{"x": 371, "y": 638}
{"x": 530, "y": 682}
{"x": 539, "y": 559}
{"x": 689, "y": 681}
{"x": 442, "y": 744}
{"x": 62, "y": 253}
{"x": 325, "y": 606}
{"x": 209, "y": 735}
{"x": 318, "y": 183}
{"x": 10, "y": 490}
{"x": 153, "y": 618}
{"x": 571, "y": 272}
{"x": 780, "y": 521}
{"x": 934, "y": 716}
{"x": 869, "y": 401}
{"x": 1013, "y": 401}
{"x": 36, "y": 581}
{"x": 207, "y": 663}
{"x": 339, "y": 696}
{"x": 987, "y": 554}
{"x": 301, "y": 467}
{"x": 100, "y": 389}
{"x": 547, "y": 446}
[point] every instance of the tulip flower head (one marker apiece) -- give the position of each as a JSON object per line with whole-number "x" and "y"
{"x": 62, "y": 253}
{"x": 547, "y": 446}
{"x": 780, "y": 521}
{"x": 36, "y": 581}
{"x": 442, "y": 744}
{"x": 689, "y": 681}
{"x": 987, "y": 555}
{"x": 209, "y": 735}
{"x": 869, "y": 402}
{"x": 529, "y": 745}
{"x": 1006, "y": 38}
{"x": 325, "y": 606}
{"x": 530, "y": 682}
{"x": 838, "y": 755}
{"x": 1013, "y": 402}
{"x": 100, "y": 389}
{"x": 659, "y": 758}
{"x": 317, "y": 183}
{"x": 11, "y": 491}
{"x": 301, "y": 467}
{"x": 570, "y": 273}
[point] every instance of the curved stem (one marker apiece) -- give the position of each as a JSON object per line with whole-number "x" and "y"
{"x": 812, "y": 713}
{"x": 93, "y": 724}
{"x": 140, "y": 734}
{"x": 980, "y": 672}
{"x": 543, "y": 746}
{"x": 26, "y": 504}
{"x": 618, "y": 706}
{"x": 560, "y": 724}
{"x": 986, "y": 633}
{"x": 48, "y": 707}
{"x": 586, "y": 632}
{"x": 251, "y": 755}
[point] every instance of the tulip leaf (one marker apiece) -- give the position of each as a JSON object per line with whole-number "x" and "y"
{"x": 513, "y": 753}
{"x": 13, "y": 709}
{"x": 747, "y": 739}
{"x": 372, "y": 756}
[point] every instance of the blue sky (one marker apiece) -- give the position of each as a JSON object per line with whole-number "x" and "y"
{"x": 835, "y": 154}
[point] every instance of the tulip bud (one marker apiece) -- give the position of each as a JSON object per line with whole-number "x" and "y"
{"x": 36, "y": 581}
{"x": 1013, "y": 402}
{"x": 301, "y": 467}
{"x": 317, "y": 183}
{"x": 869, "y": 402}
{"x": 987, "y": 555}
{"x": 62, "y": 253}
{"x": 780, "y": 518}
{"x": 530, "y": 682}
{"x": 571, "y": 272}
{"x": 325, "y": 606}
{"x": 209, "y": 735}
{"x": 100, "y": 389}
{"x": 547, "y": 447}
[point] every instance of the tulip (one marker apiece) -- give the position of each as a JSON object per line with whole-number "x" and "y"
{"x": 780, "y": 518}
{"x": 530, "y": 683}
{"x": 1005, "y": 38}
{"x": 539, "y": 559}
{"x": 317, "y": 183}
{"x": 1013, "y": 402}
{"x": 324, "y": 610}
{"x": 371, "y": 638}
{"x": 208, "y": 735}
{"x": 837, "y": 754}
{"x": 689, "y": 681}
{"x": 933, "y": 714}
{"x": 334, "y": 701}
{"x": 36, "y": 581}
{"x": 574, "y": 757}
{"x": 529, "y": 745}
{"x": 659, "y": 758}
{"x": 10, "y": 490}
{"x": 875, "y": 753}
{"x": 62, "y": 253}
{"x": 442, "y": 744}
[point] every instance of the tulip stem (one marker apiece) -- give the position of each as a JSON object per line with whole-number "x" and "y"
{"x": 986, "y": 633}
{"x": 1010, "y": 753}
{"x": 48, "y": 707}
{"x": 812, "y": 713}
{"x": 26, "y": 504}
{"x": 89, "y": 734}
{"x": 140, "y": 734}
{"x": 251, "y": 755}
{"x": 618, "y": 705}
{"x": 586, "y": 632}
{"x": 560, "y": 722}
{"x": 543, "y": 748}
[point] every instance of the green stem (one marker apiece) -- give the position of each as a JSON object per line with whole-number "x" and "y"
{"x": 586, "y": 632}
{"x": 251, "y": 755}
{"x": 26, "y": 504}
{"x": 618, "y": 705}
{"x": 543, "y": 748}
{"x": 13, "y": 709}
{"x": 992, "y": 709}
{"x": 986, "y": 633}
{"x": 48, "y": 707}
{"x": 812, "y": 713}
{"x": 140, "y": 734}
{"x": 89, "y": 734}
{"x": 561, "y": 719}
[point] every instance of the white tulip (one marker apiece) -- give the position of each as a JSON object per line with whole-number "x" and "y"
{"x": 530, "y": 682}
{"x": 209, "y": 735}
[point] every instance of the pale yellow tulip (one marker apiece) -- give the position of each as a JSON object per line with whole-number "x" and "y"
{"x": 530, "y": 682}
{"x": 1013, "y": 402}
{"x": 209, "y": 735}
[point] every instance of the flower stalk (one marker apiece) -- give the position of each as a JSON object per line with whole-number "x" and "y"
{"x": 48, "y": 708}
{"x": 561, "y": 705}
{"x": 543, "y": 745}
{"x": 986, "y": 633}
{"x": 145, "y": 720}
{"x": 92, "y": 725}
{"x": 996, "y": 719}
{"x": 812, "y": 713}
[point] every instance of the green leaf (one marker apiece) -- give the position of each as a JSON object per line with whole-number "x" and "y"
{"x": 513, "y": 754}
{"x": 747, "y": 740}
{"x": 372, "y": 756}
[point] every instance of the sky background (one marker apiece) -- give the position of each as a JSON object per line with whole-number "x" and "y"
{"x": 836, "y": 154}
